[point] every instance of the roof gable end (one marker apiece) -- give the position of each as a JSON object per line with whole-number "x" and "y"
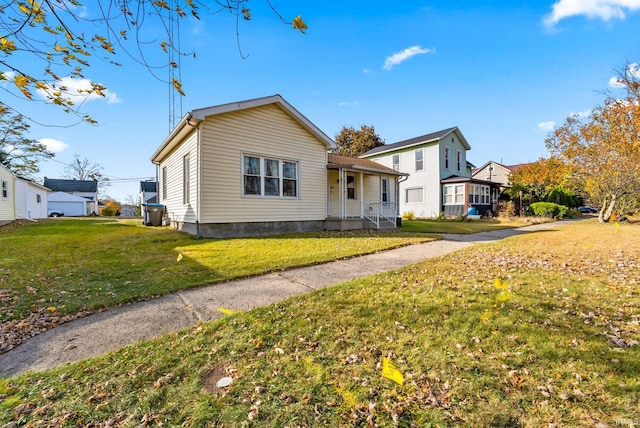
{"x": 193, "y": 118}
{"x": 434, "y": 137}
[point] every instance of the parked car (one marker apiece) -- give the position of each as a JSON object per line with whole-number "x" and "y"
{"x": 587, "y": 210}
{"x": 55, "y": 213}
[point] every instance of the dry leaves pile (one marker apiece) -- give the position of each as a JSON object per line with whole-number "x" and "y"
{"x": 15, "y": 332}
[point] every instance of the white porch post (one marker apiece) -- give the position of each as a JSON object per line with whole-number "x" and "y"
{"x": 361, "y": 191}
{"x": 341, "y": 191}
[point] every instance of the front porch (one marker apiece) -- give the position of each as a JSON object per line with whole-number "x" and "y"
{"x": 361, "y": 195}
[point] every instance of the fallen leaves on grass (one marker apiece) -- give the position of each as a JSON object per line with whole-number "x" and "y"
{"x": 15, "y": 332}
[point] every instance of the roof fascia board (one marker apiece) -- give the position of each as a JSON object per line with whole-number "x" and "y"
{"x": 202, "y": 113}
{"x": 403, "y": 148}
{"x": 365, "y": 169}
{"x": 192, "y": 119}
{"x": 186, "y": 125}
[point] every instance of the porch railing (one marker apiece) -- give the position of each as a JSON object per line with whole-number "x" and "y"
{"x": 382, "y": 212}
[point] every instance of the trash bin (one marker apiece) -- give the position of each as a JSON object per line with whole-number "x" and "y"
{"x": 153, "y": 214}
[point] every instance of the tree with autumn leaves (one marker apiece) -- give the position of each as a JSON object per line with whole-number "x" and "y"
{"x": 44, "y": 43}
{"x": 354, "y": 142}
{"x": 602, "y": 150}
{"x": 545, "y": 180}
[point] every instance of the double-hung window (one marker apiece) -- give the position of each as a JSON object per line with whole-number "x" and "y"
{"x": 446, "y": 158}
{"x": 419, "y": 157}
{"x": 5, "y": 189}
{"x": 385, "y": 189}
{"x": 396, "y": 162}
{"x": 459, "y": 160}
{"x": 269, "y": 177}
{"x": 164, "y": 183}
{"x": 454, "y": 194}
{"x": 186, "y": 180}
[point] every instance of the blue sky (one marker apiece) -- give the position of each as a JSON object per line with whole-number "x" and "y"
{"x": 504, "y": 72}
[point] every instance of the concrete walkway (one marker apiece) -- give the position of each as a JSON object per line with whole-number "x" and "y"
{"x": 102, "y": 332}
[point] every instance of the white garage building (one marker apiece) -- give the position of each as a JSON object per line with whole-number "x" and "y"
{"x": 68, "y": 204}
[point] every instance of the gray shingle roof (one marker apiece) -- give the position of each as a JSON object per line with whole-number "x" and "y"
{"x": 61, "y": 185}
{"x": 339, "y": 161}
{"x": 434, "y": 136}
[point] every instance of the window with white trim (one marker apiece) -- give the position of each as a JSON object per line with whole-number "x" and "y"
{"x": 186, "y": 179}
{"x": 454, "y": 194}
{"x": 479, "y": 194}
{"x": 164, "y": 182}
{"x": 446, "y": 157}
{"x": 459, "y": 160}
{"x": 5, "y": 189}
{"x": 269, "y": 177}
{"x": 384, "y": 186}
{"x": 351, "y": 187}
{"x": 38, "y": 198}
{"x": 414, "y": 195}
{"x": 419, "y": 158}
{"x": 396, "y": 162}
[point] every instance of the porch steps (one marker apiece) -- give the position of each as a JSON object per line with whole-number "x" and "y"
{"x": 356, "y": 224}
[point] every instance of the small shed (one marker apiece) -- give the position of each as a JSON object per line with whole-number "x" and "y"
{"x": 70, "y": 205}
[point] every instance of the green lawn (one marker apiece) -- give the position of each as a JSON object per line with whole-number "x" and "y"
{"x": 458, "y": 226}
{"x": 65, "y": 266}
{"x": 519, "y": 332}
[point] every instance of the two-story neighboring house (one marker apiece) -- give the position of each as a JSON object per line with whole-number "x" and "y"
{"x": 498, "y": 175}
{"x": 439, "y": 177}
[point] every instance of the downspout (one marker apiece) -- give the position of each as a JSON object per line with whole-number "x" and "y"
{"x": 401, "y": 179}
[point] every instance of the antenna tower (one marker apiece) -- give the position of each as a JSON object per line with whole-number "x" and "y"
{"x": 175, "y": 73}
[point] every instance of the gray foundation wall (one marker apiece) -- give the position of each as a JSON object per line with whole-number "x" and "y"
{"x": 241, "y": 230}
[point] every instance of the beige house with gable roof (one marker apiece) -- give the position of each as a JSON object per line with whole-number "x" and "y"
{"x": 260, "y": 167}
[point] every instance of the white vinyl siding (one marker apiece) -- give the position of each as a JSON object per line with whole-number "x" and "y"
{"x": 264, "y": 132}
{"x": 30, "y": 199}
{"x": 7, "y": 206}
{"x": 178, "y": 167}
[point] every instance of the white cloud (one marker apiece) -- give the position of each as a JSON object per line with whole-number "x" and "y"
{"x": 404, "y": 55}
{"x": 602, "y": 9}
{"x": 614, "y": 82}
{"x": 547, "y": 126}
{"x": 55, "y": 146}
{"x": 633, "y": 70}
{"x": 584, "y": 113}
{"x": 348, "y": 104}
{"x": 75, "y": 90}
